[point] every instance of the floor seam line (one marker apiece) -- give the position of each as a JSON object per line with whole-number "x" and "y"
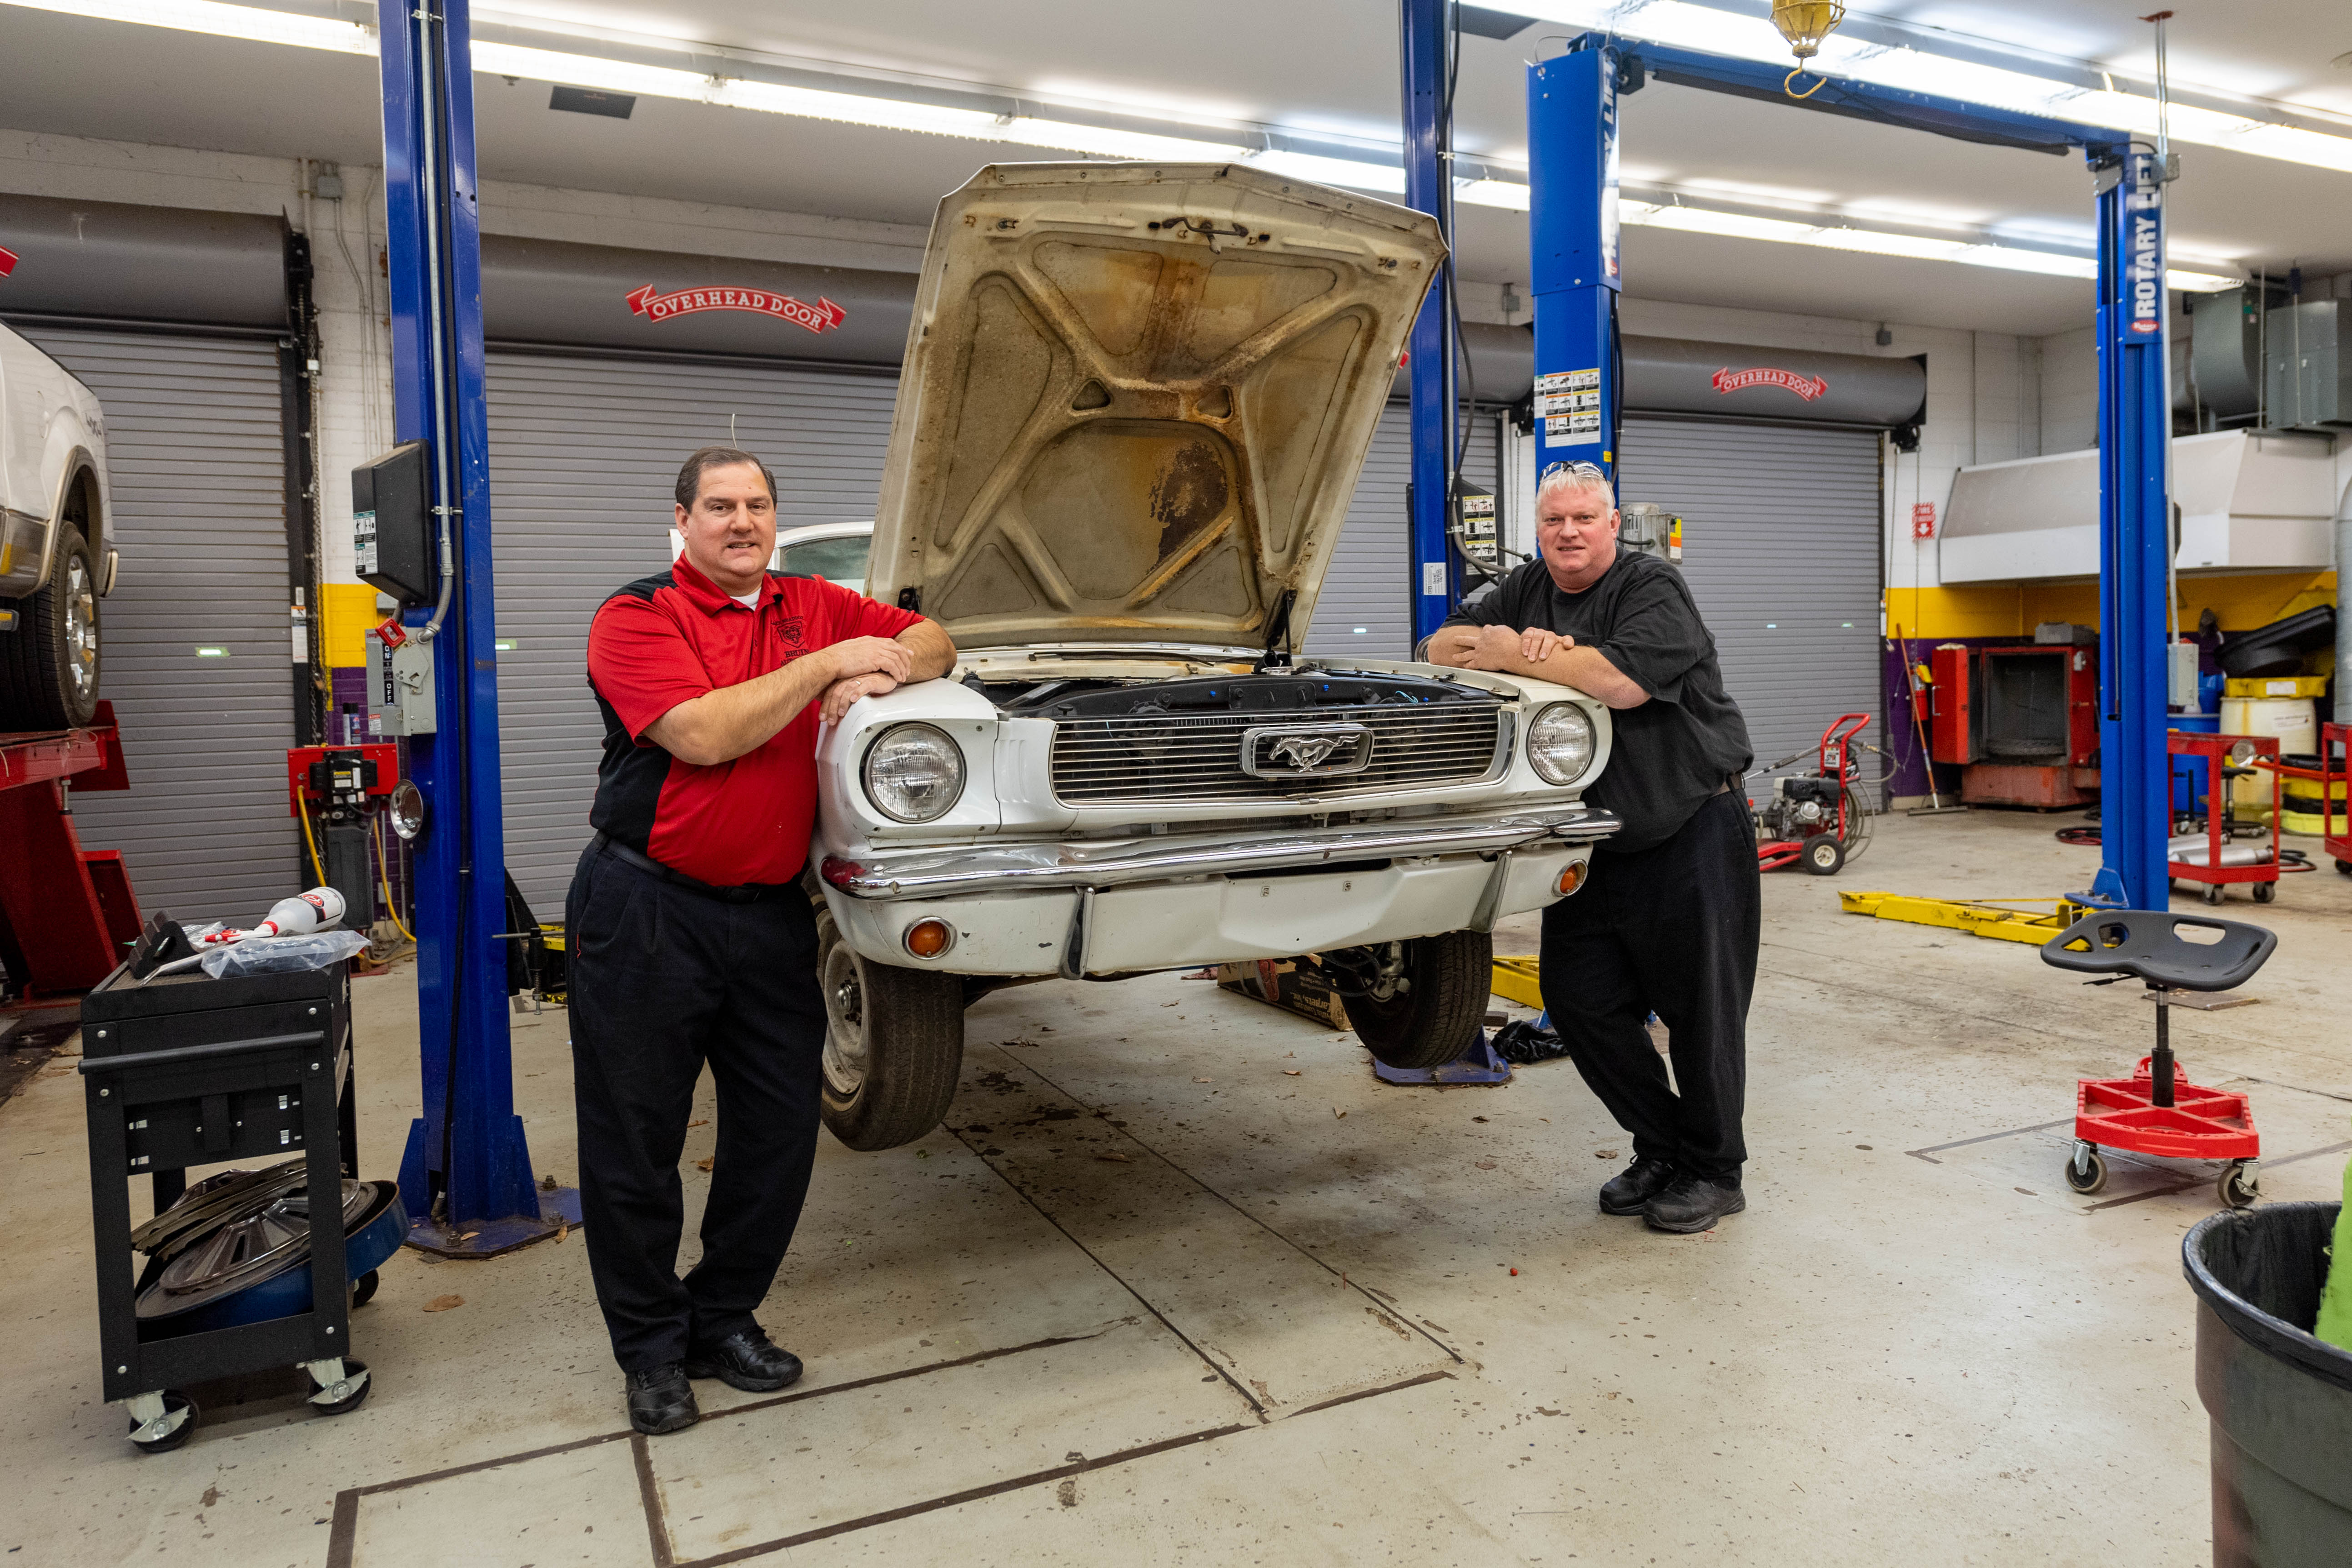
{"x": 1339, "y": 1274}
{"x": 1257, "y": 1407}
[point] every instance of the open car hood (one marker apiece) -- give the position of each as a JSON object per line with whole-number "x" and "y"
{"x": 1136, "y": 398}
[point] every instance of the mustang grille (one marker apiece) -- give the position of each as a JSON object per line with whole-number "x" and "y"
{"x": 1159, "y": 759}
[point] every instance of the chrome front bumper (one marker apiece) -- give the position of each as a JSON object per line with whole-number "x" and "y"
{"x": 981, "y": 868}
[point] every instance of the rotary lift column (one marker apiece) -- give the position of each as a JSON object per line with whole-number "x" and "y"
{"x": 1424, "y": 41}
{"x": 1573, "y": 267}
{"x": 467, "y": 1165}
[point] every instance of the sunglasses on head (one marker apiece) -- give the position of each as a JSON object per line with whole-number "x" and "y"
{"x": 1577, "y": 470}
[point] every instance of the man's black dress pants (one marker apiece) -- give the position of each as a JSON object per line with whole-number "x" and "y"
{"x": 1670, "y": 930}
{"x": 661, "y": 979}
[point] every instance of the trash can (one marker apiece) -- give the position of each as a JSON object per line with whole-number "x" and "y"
{"x": 2280, "y": 1400}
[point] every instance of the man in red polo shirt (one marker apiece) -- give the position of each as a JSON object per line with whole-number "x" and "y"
{"x": 690, "y": 938}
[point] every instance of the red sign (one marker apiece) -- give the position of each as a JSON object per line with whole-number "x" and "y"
{"x": 7, "y": 261}
{"x": 1728, "y": 380}
{"x": 821, "y": 317}
{"x": 1923, "y": 519}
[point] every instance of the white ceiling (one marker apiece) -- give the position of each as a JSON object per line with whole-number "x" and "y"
{"x": 1319, "y": 64}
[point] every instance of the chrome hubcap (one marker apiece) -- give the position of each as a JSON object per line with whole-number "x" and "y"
{"x": 81, "y": 630}
{"x": 845, "y": 1053}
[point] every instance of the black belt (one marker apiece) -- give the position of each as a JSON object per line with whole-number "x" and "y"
{"x": 743, "y": 893}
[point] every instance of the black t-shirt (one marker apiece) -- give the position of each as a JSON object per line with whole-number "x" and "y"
{"x": 1671, "y": 752}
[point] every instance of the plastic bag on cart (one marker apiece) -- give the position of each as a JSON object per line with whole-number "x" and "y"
{"x": 283, "y": 954}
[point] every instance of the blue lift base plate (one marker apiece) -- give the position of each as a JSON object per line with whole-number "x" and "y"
{"x": 1478, "y": 1065}
{"x": 490, "y": 1237}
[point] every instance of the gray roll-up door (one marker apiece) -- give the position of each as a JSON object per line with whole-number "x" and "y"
{"x": 1780, "y": 546}
{"x": 196, "y": 464}
{"x": 583, "y": 455}
{"x": 1366, "y": 604}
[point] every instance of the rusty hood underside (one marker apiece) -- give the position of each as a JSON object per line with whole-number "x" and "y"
{"x": 1136, "y": 398}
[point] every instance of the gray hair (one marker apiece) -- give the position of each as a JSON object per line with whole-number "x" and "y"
{"x": 1575, "y": 476}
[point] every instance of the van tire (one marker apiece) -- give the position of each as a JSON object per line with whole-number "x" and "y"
{"x": 49, "y": 660}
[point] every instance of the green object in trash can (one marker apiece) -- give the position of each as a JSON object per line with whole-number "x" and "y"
{"x": 2334, "y": 1324}
{"x": 2279, "y": 1398}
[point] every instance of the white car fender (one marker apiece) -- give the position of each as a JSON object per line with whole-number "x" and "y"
{"x": 847, "y": 818}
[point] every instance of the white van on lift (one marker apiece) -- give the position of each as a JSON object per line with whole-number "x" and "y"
{"x": 56, "y": 540}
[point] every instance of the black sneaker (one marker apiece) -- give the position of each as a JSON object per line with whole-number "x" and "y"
{"x": 744, "y": 1360}
{"x": 1693, "y": 1203}
{"x": 1636, "y": 1184}
{"x": 661, "y": 1400}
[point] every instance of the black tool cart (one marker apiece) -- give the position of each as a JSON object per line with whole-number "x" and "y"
{"x": 180, "y": 1070}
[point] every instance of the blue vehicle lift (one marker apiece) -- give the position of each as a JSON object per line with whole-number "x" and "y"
{"x": 467, "y": 1172}
{"x": 1572, "y": 125}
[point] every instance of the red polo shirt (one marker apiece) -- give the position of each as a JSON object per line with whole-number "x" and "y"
{"x": 668, "y": 639}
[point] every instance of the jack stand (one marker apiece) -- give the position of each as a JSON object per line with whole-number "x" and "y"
{"x": 1478, "y": 1065}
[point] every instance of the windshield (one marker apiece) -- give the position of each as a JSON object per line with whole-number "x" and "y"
{"x": 841, "y": 560}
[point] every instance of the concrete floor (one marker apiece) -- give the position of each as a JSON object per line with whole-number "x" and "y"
{"x": 1150, "y": 1297}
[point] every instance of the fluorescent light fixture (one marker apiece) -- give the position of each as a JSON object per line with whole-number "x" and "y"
{"x": 250, "y": 22}
{"x": 1385, "y": 177}
{"x": 583, "y": 70}
{"x": 1512, "y": 194}
{"x": 1104, "y": 142}
{"x": 1685, "y": 25}
{"x": 1882, "y": 242}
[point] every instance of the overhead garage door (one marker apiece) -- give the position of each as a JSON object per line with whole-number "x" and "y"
{"x": 583, "y": 454}
{"x": 1780, "y": 529}
{"x": 195, "y": 633}
{"x": 1365, "y": 606}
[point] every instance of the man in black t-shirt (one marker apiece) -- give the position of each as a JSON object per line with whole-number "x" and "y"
{"x": 1668, "y": 919}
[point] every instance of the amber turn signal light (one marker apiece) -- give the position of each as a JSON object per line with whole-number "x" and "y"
{"x": 929, "y": 938}
{"x": 1571, "y": 877}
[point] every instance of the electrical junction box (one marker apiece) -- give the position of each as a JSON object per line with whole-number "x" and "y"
{"x": 391, "y": 523}
{"x": 2309, "y": 370}
{"x": 1649, "y": 529}
{"x": 400, "y": 690}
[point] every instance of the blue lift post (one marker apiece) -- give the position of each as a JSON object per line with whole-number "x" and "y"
{"x": 1572, "y": 161}
{"x": 1572, "y": 270}
{"x": 1425, "y": 41}
{"x": 467, "y": 1166}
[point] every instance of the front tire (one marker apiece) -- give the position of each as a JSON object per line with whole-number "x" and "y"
{"x": 48, "y": 664}
{"x": 893, "y": 1045}
{"x": 1435, "y": 1017}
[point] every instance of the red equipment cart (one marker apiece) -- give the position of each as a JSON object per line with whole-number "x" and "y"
{"x": 2334, "y": 762}
{"x": 1816, "y": 818}
{"x": 2218, "y": 862}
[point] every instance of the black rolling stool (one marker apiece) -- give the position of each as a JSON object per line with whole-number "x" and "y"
{"x": 2157, "y": 1111}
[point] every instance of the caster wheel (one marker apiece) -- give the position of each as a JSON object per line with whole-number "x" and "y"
{"x": 172, "y": 1400}
{"x": 364, "y": 1289}
{"x": 2212, "y": 892}
{"x": 2087, "y": 1178}
{"x": 2265, "y": 891}
{"x": 352, "y": 1368}
{"x": 2343, "y": 867}
{"x": 1823, "y": 855}
{"x": 2239, "y": 1186}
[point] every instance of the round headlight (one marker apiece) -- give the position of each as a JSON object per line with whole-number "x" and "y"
{"x": 914, "y": 773}
{"x": 1559, "y": 743}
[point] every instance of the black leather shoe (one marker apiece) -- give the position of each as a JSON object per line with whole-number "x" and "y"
{"x": 1693, "y": 1203}
{"x": 744, "y": 1360}
{"x": 1636, "y": 1184}
{"x": 661, "y": 1400}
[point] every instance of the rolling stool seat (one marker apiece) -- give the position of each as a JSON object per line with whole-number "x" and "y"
{"x": 2157, "y": 1111}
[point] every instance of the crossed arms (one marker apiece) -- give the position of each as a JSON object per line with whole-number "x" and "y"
{"x": 1544, "y": 655}
{"x": 719, "y": 726}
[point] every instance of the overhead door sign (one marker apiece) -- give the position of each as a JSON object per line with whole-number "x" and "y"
{"x": 1568, "y": 403}
{"x": 1728, "y": 381}
{"x": 7, "y": 261}
{"x": 821, "y": 317}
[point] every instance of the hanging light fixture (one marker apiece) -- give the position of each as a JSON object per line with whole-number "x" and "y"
{"x": 1805, "y": 23}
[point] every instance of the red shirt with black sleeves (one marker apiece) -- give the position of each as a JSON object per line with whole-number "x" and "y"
{"x": 668, "y": 639}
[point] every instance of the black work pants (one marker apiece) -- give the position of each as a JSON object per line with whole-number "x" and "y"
{"x": 1670, "y": 930}
{"x": 662, "y": 979}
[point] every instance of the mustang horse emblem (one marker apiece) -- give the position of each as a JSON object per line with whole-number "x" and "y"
{"x": 1305, "y": 752}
